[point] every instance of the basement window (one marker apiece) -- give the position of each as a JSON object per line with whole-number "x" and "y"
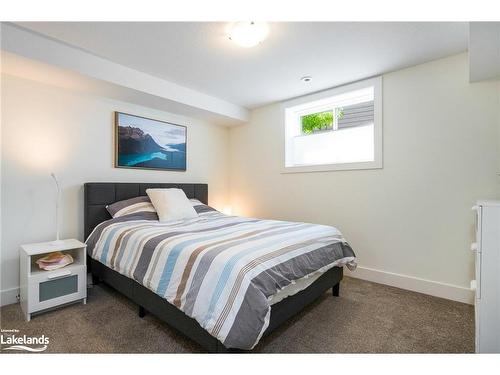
{"x": 338, "y": 129}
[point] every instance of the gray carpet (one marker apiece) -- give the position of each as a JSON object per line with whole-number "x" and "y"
{"x": 366, "y": 318}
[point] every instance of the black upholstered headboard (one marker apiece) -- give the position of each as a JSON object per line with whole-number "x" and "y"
{"x": 97, "y": 195}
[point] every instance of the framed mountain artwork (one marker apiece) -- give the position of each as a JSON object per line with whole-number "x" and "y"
{"x": 149, "y": 144}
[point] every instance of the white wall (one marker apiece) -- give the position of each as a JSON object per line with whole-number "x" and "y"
{"x": 47, "y": 129}
{"x": 412, "y": 220}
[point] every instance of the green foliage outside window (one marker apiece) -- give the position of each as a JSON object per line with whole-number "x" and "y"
{"x": 320, "y": 121}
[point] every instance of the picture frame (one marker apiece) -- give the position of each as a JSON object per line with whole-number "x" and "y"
{"x": 145, "y": 143}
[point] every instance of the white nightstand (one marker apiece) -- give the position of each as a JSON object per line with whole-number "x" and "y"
{"x": 40, "y": 289}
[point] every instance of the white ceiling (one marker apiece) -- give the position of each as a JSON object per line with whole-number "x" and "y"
{"x": 200, "y": 57}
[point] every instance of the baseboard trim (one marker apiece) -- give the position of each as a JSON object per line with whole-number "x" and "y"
{"x": 415, "y": 284}
{"x": 9, "y": 296}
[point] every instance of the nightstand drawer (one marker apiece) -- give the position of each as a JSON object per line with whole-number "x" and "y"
{"x": 57, "y": 287}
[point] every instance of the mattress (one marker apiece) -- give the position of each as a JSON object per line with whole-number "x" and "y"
{"x": 223, "y": 271}
{"x": 294, "y": 287}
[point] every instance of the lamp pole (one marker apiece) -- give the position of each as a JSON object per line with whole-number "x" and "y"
{"x": 57, "y": 205}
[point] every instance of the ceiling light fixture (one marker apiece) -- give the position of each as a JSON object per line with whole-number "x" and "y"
{"x": 306, "y": 79}
{"x": 248, "y": 34}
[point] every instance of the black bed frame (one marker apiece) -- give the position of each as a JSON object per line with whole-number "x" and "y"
{"x": 99, "y": 194}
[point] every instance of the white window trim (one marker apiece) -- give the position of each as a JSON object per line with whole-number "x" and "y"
{"x": 377, "y": 163}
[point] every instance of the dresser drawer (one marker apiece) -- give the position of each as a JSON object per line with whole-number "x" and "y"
{"x": 478, "y": 275}
{"x": 477, "y": 222}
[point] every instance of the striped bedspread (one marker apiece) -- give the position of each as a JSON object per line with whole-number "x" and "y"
{"x": 220, "y": 270}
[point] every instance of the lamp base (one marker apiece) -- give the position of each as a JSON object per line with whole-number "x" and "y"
{"x": 56, "y": 242}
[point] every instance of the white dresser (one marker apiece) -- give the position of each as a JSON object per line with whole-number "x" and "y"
{"x": 487, "y": 283}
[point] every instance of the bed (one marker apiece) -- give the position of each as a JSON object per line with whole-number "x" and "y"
{"x": 220, "y": 318}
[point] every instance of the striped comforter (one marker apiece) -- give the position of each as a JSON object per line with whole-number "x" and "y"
{"x": 220, "y": 270}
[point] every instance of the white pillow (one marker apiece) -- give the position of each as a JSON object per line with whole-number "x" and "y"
{"x": 171, "y": 204}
